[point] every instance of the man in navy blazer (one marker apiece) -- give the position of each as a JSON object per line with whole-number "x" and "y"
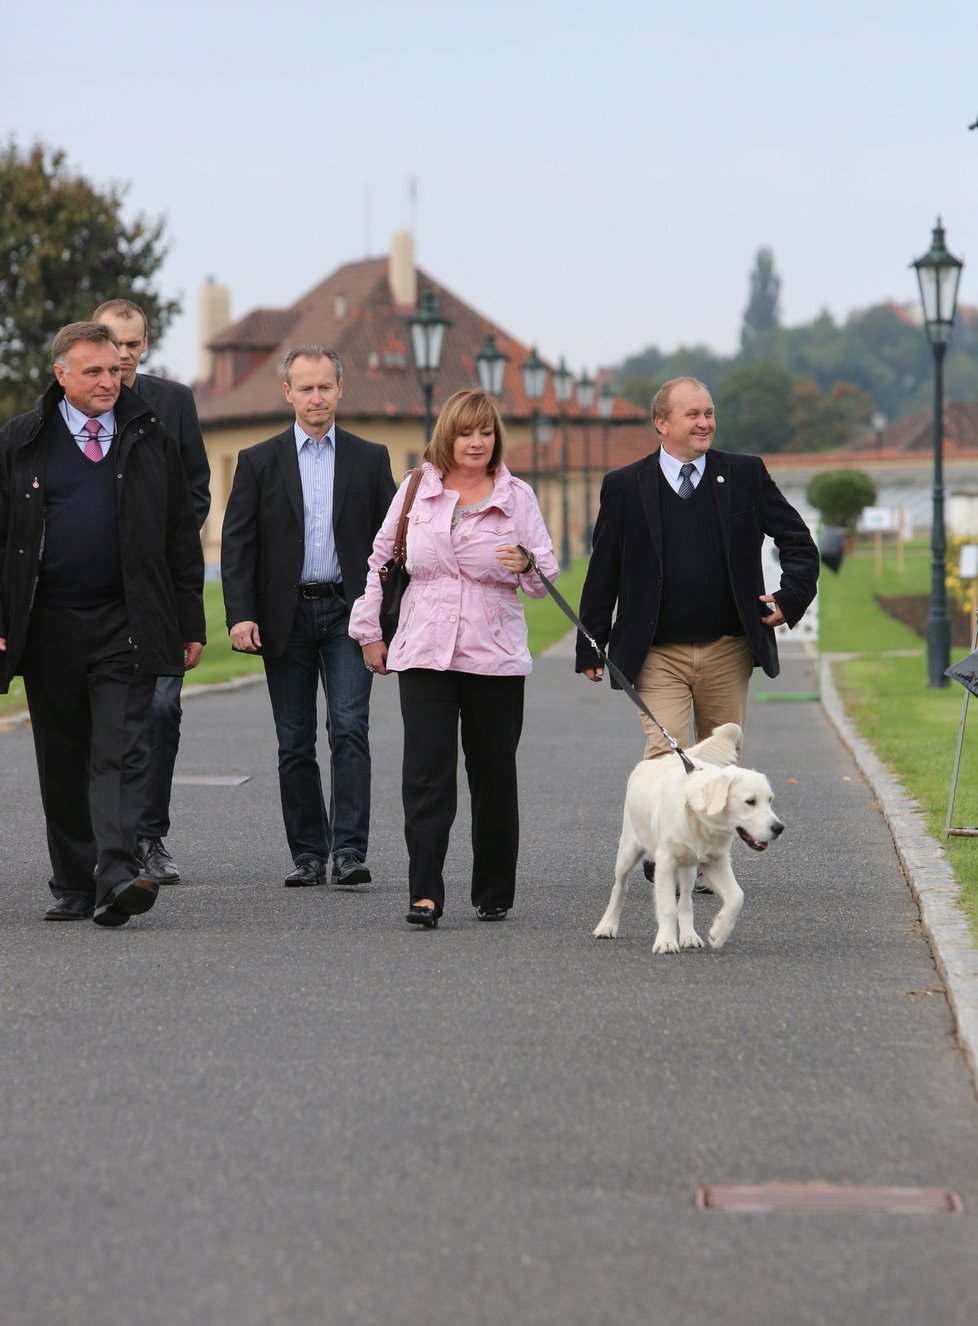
{"x": 675, "y": 591}
{"x": 299, "y": 527}
{"x": 174, "y": 405}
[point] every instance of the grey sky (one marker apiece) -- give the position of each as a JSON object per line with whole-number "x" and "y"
{"x": 593, "y": 177}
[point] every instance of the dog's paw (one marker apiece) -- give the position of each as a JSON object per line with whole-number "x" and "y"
{"x": 690, "y": 940}
{"x": 665, "y": 944}
{"x": 719, "y": 934}
{"x": 606, "y": 930}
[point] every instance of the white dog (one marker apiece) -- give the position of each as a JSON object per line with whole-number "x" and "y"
{"x": 687, "y": 821}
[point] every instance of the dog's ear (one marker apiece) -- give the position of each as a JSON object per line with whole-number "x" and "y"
{"x": 710, "y": 790}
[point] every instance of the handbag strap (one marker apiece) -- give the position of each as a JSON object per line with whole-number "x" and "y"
{"x": 399, "y": 553}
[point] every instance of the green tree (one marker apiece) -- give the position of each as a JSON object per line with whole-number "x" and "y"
{"x": 762, "y": 314}
{"x": 753, "y": 404}
{"x": 840, "y": 496}
{"x": 64, "y": 249}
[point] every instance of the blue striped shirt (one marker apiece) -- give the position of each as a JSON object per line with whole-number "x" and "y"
{"x": 317, "y": 464}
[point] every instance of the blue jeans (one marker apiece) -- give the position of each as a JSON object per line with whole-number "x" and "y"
{"x": 319, "y": 648}
{"x": 163, "y": 735}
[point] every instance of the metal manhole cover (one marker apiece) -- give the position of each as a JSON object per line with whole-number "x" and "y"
{"x": 818, "y": 1198}
{"x": 211, "y": 780}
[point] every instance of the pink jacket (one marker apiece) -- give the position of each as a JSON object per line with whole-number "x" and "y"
{"x": 461, "y": 612}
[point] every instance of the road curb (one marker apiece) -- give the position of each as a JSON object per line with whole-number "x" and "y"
{"x": 931, "y": 879}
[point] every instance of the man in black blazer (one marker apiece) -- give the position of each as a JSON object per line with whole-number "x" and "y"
{"x": 674, "y": 590}
{"x": 174, "y": 405}
{"x": 299, "y": 527}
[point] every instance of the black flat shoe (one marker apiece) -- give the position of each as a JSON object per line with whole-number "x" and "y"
{"x": 492, "y": 913}
{"x": 127, "y": 900}
{"x": 423, "y": 916}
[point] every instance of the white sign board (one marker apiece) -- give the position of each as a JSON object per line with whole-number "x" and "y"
{"x": 878, "y": 518}
{"x": 968, "y": 561}
{"x": 807, "y": 628}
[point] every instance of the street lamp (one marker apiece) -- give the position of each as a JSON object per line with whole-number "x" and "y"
{"x": 585, "y": 400}
{"x": 427, "y": 338}
{"x": 534, "y": 386}
{"x": 490, "y": 364}
{"x": 563, "y": 391}
{"x": 938, "y": 274}
{"x": 606, "y": 409}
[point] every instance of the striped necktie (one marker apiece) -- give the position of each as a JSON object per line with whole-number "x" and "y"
{"x": 686, "y": 487}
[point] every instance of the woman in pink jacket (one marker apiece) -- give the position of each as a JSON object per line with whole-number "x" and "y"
{"x": 460, "y": 650}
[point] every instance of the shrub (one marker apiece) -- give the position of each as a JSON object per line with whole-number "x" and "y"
{"x": 840, "y": 496}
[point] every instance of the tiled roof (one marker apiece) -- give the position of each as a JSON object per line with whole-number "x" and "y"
{"x": 915, "y": 435}
{"x": 354, "y": 313}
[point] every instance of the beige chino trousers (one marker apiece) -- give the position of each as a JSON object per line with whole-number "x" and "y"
{"x": 707, "y": 683}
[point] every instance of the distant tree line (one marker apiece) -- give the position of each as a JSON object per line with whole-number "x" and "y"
{"x": 813, "y": 387}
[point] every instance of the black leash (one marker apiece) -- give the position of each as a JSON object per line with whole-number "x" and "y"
{"x": 619, "y": 676}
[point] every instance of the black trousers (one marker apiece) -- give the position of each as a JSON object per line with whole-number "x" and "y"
{"x": 490, "y": 712}
{"x": 89, "y": 708}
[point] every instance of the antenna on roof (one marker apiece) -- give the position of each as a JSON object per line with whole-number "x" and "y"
{"x": 366, "y": 221}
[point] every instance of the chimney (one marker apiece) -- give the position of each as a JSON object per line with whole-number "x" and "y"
{"x": 213, "y": 315}
{"x": 401, "y": 273}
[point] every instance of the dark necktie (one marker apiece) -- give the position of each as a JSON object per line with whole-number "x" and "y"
{"x": 686, "y": 486}
{"x": 93, "y": 448}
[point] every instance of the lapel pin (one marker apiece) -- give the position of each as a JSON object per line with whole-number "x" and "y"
{"x": 719, "y": 478}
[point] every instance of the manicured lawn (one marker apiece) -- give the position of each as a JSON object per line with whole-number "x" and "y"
{"x": 913, "y": 729}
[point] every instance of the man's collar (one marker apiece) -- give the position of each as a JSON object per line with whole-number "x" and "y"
{"x": 302, "y": 437}
{"x": 670, "y": 466}
{"x": 76, "y": 420}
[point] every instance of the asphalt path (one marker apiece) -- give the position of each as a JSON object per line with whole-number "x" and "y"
{"x": 259, "y": 1106}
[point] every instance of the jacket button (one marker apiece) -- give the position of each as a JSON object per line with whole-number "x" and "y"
{"x": 451, "y": 619}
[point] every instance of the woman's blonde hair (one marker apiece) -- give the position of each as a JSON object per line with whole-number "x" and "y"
{"x": 462, "y": 412}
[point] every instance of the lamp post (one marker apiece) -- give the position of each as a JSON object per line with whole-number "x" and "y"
{"x": 585, "y": 400}
{"x": 563, "y": 391}
{"x": 490, "y": 364}
{"x": 606, "y": 408}
{"x": 534, "y": 385}
{"x": 427, "y": 338}
{"x": 938, "y": 274}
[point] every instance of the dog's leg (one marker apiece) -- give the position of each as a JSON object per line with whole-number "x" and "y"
{"x": 630, "y": 852}
{"x": 666, "y": 938}
{"x": 688, "y": 938}
{"x": 721, "y": 880}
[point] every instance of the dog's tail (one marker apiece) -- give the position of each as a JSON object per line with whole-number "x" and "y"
{"x": 722, "y": 746}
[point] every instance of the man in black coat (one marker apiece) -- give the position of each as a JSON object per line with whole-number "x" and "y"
{"x": 299, "y": 527}
{"x": 101, "y": 591}
{"x": 175, "y": 407}
{"x": 675, "y": 591}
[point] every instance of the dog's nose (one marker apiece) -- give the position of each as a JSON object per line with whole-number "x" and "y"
{"x": 777, "y": 828}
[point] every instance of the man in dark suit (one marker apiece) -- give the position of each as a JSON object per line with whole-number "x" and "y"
{"x": 174, "y": 405}
{"x": 101, "y": 580}
{"x": 675, "y": 590}
{"x": 299, "y": 527}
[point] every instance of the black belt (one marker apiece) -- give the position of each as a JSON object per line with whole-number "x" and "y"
{"x": 329, "y": 590}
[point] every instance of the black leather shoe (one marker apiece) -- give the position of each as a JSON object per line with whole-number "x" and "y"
{"x": 423, "y": 916}
{"x": 648, "y": 870}
{"x": 349, "y": 870}
{"x": 309, "y": 870}
{"x": 71, "y": 907}
{"x": 127, "y": 900}
{"x": 492, "y": 913}
{"x": 156, "y": 861}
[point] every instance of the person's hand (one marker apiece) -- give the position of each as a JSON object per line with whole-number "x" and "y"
{"x": 191, "y": 654}
{"x": 375, "y": 658}
{"x": 512, "y": 559}
{"x": 593, "y": 674}
{"x": 3, "y": 644}
{"x": 773, "y": 618}
{"x": 245, "y": 636}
